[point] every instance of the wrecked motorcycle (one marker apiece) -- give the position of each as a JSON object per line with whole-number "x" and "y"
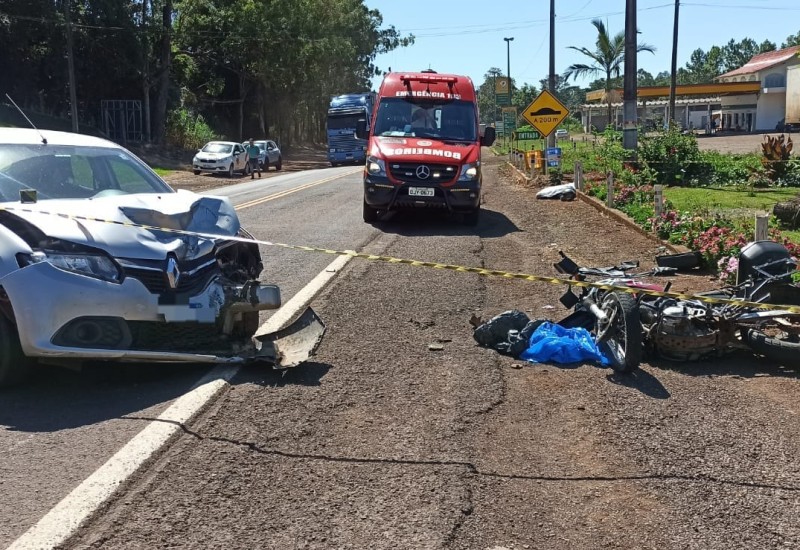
{"x": 612, "y": 315}
{"x": 692, "y": 329}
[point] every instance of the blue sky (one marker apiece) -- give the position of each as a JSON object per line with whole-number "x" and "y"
{"x": 466, "y": 36}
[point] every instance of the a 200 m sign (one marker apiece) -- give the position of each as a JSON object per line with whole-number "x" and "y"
{"x": 545, "y": 113}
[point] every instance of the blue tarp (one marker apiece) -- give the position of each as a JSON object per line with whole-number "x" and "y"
{"x": 554, "y": 343}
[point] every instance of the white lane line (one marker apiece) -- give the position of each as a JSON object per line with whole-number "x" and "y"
{"x": 62, "y": 521}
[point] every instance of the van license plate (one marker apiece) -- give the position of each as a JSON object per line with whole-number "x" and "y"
{"x": 420, "y": 191}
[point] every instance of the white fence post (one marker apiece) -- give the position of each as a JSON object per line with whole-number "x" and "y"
{"x": 610, "y": 190}
{"x": 579, "y": 175}
{"x": 658, "y": 206}
{"x": 762, "y": 227}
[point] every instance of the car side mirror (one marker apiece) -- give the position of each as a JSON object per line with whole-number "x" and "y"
{"x": 488, "y": 136}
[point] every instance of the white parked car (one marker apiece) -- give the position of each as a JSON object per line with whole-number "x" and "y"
{"x": 85, "y": 273}
{"x": 269, "y": 155}
{"x": 225, "y": 157}
{"x": 562, "y": 133}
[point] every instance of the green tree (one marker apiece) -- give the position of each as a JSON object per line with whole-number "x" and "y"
{"x": 702, "y": 66}
{"x": 607, "y": 58}
{"x": 487, "y": 103}
{"x": 791, "y": 40}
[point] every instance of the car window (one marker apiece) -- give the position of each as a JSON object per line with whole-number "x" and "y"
{"x": 70, "y": 172}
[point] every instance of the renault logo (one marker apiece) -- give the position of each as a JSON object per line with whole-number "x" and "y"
{"x": 423, "y": 172}
{"x": 173, "y": 273}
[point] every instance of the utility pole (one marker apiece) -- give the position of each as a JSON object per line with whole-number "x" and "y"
{"x": 629, "y": 89}
{"x": 551, "y": 79}
{"x": 508, "y": 75}
{"x": 674, "y": 75}
{"x": 73, "y": 96}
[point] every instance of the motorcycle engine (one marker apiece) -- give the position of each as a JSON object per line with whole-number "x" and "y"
{"x": 683, "y": 332}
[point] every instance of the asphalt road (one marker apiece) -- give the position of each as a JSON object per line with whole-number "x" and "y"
{"x": 402, "y": 433}
{"x": 60, "y": 427}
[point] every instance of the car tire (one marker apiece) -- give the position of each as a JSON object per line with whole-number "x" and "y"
{"x": 279, "y": 164}
{"x": 196, "y": 172}
{"x": 230, "y": 171}
{"x": 14, "y": 366}
{"x": 370, "y": 214}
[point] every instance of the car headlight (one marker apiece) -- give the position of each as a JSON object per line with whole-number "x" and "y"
{"x": 376, "y": 166}
{"x": 92, "y": 265}
{"x": 470, "y": 172}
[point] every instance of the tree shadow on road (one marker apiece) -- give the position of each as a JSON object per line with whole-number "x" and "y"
{"x": 423, "y": 223}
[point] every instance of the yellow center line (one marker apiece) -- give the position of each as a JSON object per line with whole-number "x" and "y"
{"x": 281, "y": 194}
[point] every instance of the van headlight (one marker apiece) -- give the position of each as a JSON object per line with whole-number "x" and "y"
{"x": 470, "y": 172}
{"x": 376, "y": 166}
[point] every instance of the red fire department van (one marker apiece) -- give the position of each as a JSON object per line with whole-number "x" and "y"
{"x": 424, "y": 147}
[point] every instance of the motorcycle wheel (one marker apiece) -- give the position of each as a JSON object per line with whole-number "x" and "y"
{"x": 775, "y": 344}
{"x": 620, "y": 338}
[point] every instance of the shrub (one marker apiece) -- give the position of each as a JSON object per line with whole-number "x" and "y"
{"x": 188, "y": 131}
{"x": 673, "y": 157}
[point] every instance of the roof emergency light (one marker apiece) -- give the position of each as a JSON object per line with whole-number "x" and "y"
{"x": 429, "y": 78}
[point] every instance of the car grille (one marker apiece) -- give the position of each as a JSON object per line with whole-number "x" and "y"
{"x": 407, "y": 172}
{"x": 188, "y": 283}
{"x": 344, "y": 143}
{"x": 178, "y": 337}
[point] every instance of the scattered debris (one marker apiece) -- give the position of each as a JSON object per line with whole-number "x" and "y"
{"x": 564, "y": 192}
{"x": 435, "y": 347}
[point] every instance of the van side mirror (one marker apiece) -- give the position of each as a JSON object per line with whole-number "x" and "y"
{"x": 488, "y": 136}
{"x": 362, "y": 132}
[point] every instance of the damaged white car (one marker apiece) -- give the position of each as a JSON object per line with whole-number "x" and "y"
{"x": 74, "y": 288}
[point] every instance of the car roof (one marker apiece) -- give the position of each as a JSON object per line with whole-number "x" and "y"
{"x": 29, "y": 136}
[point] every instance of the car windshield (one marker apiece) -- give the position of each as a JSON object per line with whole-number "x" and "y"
{"x": 448, "y": 120}
{"x": 70, "y": 172}
{"x": 217, "y": 148}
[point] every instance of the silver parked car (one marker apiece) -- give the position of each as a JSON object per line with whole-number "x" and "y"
{"x": 269, "y": 154}
{"x": 221, "y": 157}
{"x": 101, "y": 259}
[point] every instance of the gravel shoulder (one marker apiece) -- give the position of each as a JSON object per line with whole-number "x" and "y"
{"x": 385, "y": 443}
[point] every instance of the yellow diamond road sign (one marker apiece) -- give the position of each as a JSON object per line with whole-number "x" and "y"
{"x": 545, "y": 113}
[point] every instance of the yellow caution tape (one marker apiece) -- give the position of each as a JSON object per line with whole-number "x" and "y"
{"x": 419, "y": 263}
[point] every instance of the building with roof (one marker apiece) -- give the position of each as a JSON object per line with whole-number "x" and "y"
{"x": 750, "y": 98}
{"x": 761, "y": 110}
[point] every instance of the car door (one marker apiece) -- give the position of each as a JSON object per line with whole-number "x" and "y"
{"x": 272, "y": 152}
{"x": 239, "y": 156}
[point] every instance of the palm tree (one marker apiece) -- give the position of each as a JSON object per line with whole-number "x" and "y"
{"x": 608, "y": 58}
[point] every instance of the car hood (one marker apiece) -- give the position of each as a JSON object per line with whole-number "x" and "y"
{"x": 182, "y": 210}
{"x": 424, "y": 150}
{"x": 212, "y": 156}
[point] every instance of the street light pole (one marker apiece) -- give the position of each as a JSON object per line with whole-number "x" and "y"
{"x": 551, "y": 78}
{"x": 629, "y": 90}
{"x": 508, "y": 76}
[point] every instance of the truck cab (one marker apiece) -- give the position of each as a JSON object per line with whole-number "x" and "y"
{"x": 348, "y": 122}
{"x": 424, "y": 147}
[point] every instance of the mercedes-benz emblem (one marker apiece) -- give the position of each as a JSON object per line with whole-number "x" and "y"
{"x": 423, "y": 172}
{"x": 173, "y": 273}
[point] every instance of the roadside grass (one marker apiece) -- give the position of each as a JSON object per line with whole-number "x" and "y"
{"x": 719, "y": 199}
{"x": 161, "y": 171}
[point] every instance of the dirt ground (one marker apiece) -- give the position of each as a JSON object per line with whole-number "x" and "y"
{"x": 382, "y": 443}
{"x": 296, "y": 159}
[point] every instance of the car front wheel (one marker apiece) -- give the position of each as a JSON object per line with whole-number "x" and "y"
{"x": 13, "y": 363}
{"x": 279, "y": 164}
{"x": 230, "y": 171}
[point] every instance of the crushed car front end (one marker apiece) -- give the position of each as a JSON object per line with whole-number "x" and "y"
{"x": 113, "y": 264}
